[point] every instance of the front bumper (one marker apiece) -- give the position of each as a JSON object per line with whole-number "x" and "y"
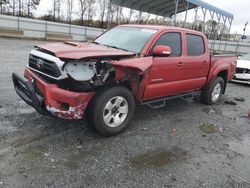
{"x": 241, "y": 78}
{"x": 49, "y": 98}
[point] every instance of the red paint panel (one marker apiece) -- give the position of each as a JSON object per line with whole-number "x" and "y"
{"x": 82, "y": 50}
{"x": 164, "y": 71}
{"x": 221, "y": 63}
{"x": 172, "y": 88}
{"x": 56, "y": 98}
{"x": 141, "y": 64}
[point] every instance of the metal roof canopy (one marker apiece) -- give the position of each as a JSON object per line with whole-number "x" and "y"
{"x": 167, "y": 8}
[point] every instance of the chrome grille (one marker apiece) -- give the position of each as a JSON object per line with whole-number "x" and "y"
{"x": 45, "y": 66}
{"x": 242, "y": 71}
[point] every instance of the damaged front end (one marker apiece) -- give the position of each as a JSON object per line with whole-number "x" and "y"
{"x": 49, "y": 98}
{"x": 64, "y": 86}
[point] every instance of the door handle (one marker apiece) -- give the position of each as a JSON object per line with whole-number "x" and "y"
{"x": 204, "y": 62}
{"x": 180, "y": 64}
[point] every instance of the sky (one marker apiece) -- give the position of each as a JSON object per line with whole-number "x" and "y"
{"x": 240, "y": 10}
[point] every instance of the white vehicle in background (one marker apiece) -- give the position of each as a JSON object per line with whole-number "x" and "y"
{"x": 242, "y": 74}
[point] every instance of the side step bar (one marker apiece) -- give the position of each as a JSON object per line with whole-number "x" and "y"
{"x": 160, "y": 103}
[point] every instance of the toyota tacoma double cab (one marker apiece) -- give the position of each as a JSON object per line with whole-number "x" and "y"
{"x": 127, "y": 65}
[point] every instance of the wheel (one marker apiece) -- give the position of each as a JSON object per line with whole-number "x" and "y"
{"x": 111, "y": 110}
{"x": 212, "y": 93}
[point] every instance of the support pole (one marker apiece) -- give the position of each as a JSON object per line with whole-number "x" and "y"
{"x": 108, "y": 16}
{"x": 228, "y": 35}
{"x": 139, "y": 19}
{"x": 215, "y": 37}
{"x": 156, "y": 18}
{"x": 119, "y": 17}
{"x": 241, "y": 39}
{"x": 204, "y": 18}
{"x": 86, "y": 34}
{"x": 46, "y": 29}
{"x": 224, "y": 25}
{"x": 212, "y": 16}
{"x": 238, "y": 43}
{"x": 195, "y": 18}
{"x": 148, "y": 18}
{"x": 18, "y": 22}
{"x": 187, "y": 7}
{"x": 176, "y": 10}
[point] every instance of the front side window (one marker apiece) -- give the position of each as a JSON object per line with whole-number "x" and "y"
{"x": 173, "y": 40}
{"x": 195, "y": 45}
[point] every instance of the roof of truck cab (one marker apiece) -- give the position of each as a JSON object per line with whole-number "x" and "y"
{"x": 161, "y": 28}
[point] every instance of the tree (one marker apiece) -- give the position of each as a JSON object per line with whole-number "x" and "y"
{"x": 90, "y": 10}
{"x": 131, "y": 13}
{"x": 32, "y": 5}
{"x": 19, "y": 7}
{"x": 13, "y": 7}
{"x": 83, "y": 8}
{"x": 69, "y": 10}
{"x": 2, "y": 3}
{"x": 56, "y": 9}
{"x": 103, "y": 6}
{"x": 113, "y": 11}
{"x": 118, "y": 11}
{"x": 210, "y": 29}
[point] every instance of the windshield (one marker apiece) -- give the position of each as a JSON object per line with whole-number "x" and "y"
{"x": 245, "y": 57}
{"x": 126, "y": 38}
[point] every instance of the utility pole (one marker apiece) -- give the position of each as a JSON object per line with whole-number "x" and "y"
{"x": 242, "y": 37}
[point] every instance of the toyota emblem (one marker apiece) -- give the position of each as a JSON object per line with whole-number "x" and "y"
{"x": 40, "y": 63}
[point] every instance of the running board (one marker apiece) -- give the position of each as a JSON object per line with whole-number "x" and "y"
{"x": 160, "y": 103}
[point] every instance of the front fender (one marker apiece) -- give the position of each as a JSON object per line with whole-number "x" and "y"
{"x": 139, "y": 64}
{"x": 133, "y": 71}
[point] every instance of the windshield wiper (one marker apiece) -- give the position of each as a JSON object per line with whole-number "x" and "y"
{"x": 110, "y": 46}
{"x": 96, "y": 42}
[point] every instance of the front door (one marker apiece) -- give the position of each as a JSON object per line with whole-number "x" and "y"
{"x": 166, "y": 75}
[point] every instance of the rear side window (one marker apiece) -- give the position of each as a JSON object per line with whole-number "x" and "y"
{"x": 173, "y": 40}
{"x": 195, "y": 45}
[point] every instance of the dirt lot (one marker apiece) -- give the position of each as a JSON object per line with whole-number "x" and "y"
{"x": 181, "y": 145}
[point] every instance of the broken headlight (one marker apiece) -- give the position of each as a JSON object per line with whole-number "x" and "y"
{"x": 81, "y": 71}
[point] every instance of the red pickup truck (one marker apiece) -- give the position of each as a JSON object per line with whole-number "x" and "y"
{"x": 126, "y": 65}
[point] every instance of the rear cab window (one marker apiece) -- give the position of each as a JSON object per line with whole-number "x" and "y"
{"x": 173, "y": 40}
{"x": 195, "y": 45}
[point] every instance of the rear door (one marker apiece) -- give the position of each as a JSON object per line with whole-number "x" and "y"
{"x": 166, "y": 74}
{"x": 196, "y": 60}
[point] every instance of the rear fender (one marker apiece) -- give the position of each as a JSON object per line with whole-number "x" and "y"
{"x": 215, "y": 71}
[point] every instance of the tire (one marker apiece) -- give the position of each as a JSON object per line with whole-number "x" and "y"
{"x": 111, "y": 110}
{"x": 213, "y": 93}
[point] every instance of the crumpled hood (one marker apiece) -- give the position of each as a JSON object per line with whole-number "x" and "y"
{"x": 75, "y": 50}
{"x": 243, "y": 64}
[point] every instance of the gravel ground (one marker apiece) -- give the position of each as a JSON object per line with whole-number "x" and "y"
{"x": 185, "y": 144}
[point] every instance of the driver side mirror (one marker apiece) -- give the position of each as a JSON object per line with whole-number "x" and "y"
{"x": 162, "y": 51}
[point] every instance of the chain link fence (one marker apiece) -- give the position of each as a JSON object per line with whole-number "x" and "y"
{"x": 40, "y": 29}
